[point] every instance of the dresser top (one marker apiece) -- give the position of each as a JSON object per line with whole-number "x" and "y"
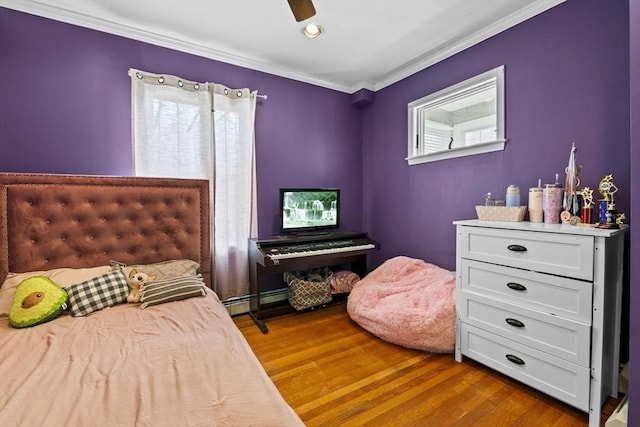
{"x": 544, "y": 228}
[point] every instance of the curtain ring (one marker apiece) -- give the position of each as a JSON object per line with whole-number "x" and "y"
{"x": 226, "y": 92}
{"x": 239, "y": 94}
{"x": 196, "y": 86}
{"x": 180, "y": 83}
{"x": 160, "y": 79}
{"x": 139, "y": 76}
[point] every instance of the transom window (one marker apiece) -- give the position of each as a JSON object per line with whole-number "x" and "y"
{"x": 464, "y": 119}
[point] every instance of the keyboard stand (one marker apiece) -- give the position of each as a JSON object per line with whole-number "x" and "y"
{"x": 263, "y": 270}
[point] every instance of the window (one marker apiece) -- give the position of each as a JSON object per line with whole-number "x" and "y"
{"x": 461, "y": 120}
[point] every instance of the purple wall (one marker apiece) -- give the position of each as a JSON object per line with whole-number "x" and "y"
{"x": 634, "y": 335}
{"x": 567, "y": 80}
{"x": 65, "y": 108}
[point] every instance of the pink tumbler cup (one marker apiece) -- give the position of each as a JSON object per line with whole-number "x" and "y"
{"x": 552, "y": 203}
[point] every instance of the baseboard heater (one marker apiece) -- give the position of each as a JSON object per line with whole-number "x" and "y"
{"x": 240, "y": 305}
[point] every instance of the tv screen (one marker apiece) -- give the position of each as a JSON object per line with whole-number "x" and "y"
{"x": 308, "y": 210}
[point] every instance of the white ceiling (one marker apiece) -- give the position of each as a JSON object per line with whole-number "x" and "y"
{"x": 367, "y": 43}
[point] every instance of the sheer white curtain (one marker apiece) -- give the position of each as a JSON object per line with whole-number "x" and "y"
{"x": 172, "y": 127}
{"x": 235, "y": 209}
{"x": 186, "y": 129}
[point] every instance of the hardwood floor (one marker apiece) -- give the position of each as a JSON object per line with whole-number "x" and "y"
{"x": 333, "y": 373}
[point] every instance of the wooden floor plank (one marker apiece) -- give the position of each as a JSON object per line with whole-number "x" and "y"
{"x": 334, "y": 373}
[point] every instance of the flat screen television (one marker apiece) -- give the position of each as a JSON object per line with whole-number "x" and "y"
{"x": 309, "y": 210}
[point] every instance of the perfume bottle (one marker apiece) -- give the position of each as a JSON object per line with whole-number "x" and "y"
{"x": 489, "y": 200}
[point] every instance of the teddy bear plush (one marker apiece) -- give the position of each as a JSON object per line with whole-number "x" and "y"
{"x": 136, "y": 279}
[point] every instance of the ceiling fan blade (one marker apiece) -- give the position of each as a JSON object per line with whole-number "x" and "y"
{"x": 302, "y": 9}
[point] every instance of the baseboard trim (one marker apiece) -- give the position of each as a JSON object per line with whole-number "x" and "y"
{"x": 240, "y": 305}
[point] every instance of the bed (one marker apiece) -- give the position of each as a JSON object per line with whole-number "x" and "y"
{"x": 177, "y": 363}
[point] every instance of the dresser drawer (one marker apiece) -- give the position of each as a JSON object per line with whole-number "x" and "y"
{"x": 561, "y": 254}
{"x": 563, "y": 338}
{"x": 555, "y": 295}
{"x": 558, "y": 378}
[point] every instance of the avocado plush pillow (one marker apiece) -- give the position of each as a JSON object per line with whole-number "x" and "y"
{"x": 63, "y": 277}
{"x": 37, "y": 300}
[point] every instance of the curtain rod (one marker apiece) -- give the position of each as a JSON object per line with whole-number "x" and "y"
{"x": 161, "y": 79}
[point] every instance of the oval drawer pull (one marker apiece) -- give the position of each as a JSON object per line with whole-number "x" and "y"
{"x": 517, "y": 248}
{"x": 516, "y": 286}
{"x": 514, "y": 359}
{"x": 514, "y": 322}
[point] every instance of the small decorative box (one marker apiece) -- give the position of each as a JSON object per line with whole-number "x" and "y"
{"x": 501, "y": 213}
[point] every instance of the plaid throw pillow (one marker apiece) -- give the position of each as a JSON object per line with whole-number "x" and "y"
{"x": 98, "y": 293}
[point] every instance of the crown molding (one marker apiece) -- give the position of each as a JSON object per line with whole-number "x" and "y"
{"x": 187, "y": 46}
{"x": 182, "y": 45}
{"x": 499, "y": 26}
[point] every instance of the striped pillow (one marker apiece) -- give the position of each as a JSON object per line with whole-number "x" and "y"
{"x": 174, "y": 289}
{"x": 98, "y": 293}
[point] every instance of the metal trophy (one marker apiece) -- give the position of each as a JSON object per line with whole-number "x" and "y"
{"x": 608, "y": 215}
{"x": 587, "y": 205}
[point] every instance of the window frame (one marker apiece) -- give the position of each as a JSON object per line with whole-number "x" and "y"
{"x": 417, "y": 108}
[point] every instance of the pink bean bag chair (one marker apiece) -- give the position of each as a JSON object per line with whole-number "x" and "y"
{"x": 407, "y": 302}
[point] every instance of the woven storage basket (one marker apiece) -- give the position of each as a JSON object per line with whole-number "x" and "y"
{"x": 501, "y": 213}
{"x": 305, "y": 293}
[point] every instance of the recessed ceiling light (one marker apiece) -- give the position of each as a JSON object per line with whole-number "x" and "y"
{"x": 312, "y": 31}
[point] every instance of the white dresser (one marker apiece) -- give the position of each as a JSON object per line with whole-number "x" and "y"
{"x": 541, "y": 303}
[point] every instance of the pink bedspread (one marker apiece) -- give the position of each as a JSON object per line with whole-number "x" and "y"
{"x": 408, "y": 302}
{"x": 182, "y": 363}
